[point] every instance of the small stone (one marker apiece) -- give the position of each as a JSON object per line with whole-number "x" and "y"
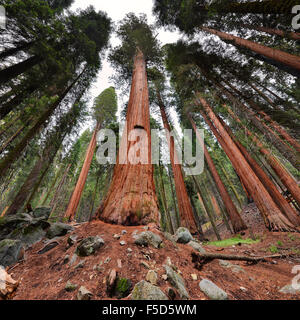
{"x": 70, "y": 286}
{"x": 243, "y": 289}
{"x": 152, "y": 277}
{"x": 58, "y": 229}
{"x": 119, "y": 263}
{"x": 183, "y": 235}
{"x": 72, "y": 240}
{"x": 48, "y": 247}
{"x": 107, "y": 260}
{"x": 177, "y": 282}
{"x": 171, "y": 293}
{"x": 123, "y": 232}
{"x": 122, "y": 243}
{"x": 129, "y": 250}
{"x": 164, "y": 277}
{"x": 117, "y": 236}
{"x": 80, "y": 264}
{"x": 194, "y": 277}
{"x": 145, "y": 264}
{"x": 84, "y": 294}
{"x": 212, "y": 291}
{"x": 169, "y": 262}
{"x": 290, "y": 289}
{"x": 148, "y": 238}
{"x": 146, "y": 228}
{"x": 196, "y": 246}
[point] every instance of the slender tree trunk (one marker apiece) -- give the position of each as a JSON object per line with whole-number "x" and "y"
{"x": 275, "y": 32}
{"x": 74, "y": 201}
{"x": 197, "y": 219}
{"x": 283, "y": 175}
{"x": 12, "y": 51}
{"x": 177, "y": 216}
{"x": 236, "y": 220}
{"x": 52, "y": 186}
{"x": 273, "y": 217}
{"x": 184, "y": 205}
{"x": 279, "y": 56}
{"x": 14, "y": 154}
{"x": 94, "y": 197}
{"x": 282, "y": 147}
{"x": 131, "y": 199}
{"x": 281, "y": 202}
{"x": 206, "y": 207}
{"x": 54, "y": 200}
{"x": 164, "y": 200}
{"x": 19, "y": 68}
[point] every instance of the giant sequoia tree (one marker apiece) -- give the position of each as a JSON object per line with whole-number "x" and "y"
{"x": 131, "y": 199}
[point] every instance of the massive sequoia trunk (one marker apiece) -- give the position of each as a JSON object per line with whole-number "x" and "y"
{"x": 74, "y": 201}
{"x": 273, "y": 217}
{"x": 292, "y": 61}
{"x": 131, "y": 199}
{"x": 283, "y": 175}
{"x": 185, "y": 209}
{"x": 236, "y": 220}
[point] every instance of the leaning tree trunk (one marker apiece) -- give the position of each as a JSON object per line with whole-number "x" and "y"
{"x": 185, "y": 209}
{"x": 281, "y": 202}
{"x": 7, "y": 161}
{"x": 173, "y": 198}
{"x": 283, "y": 175}
{"x": 275, "y": 32}
{"x": 273, "y": 217}
{"x": 19, "y": 68}
{"x": 278, "y": 56}
{"x": 236, "y": 220}
{"x": 12, "y": 51}
{"x": 131, "y": 199}
{"x": 74, "y": 201}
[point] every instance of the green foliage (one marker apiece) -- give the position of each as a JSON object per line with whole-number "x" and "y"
{"x": 273, "y": 249}
{"x": 231, "y": 242}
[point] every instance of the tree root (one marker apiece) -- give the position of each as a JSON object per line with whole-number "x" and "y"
{"x": 200, "y": 259}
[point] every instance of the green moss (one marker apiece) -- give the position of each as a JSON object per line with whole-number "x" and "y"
{"x": 273, "y": 248}
{"x": 231, "y": 242}
{"x": 123, "y": 287}
{"x": 279, "y": 243}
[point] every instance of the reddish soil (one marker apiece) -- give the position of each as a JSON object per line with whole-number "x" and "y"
{"x": 44, "y": 276}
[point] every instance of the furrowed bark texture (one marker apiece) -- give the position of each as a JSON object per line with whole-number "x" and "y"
{"x": 131, "y": 199}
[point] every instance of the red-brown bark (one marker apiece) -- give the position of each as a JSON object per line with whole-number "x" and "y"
{"x": 283, "y": 175}
{"x": 273, "y": 217}
{"x": 131, "y": 199}
{"x": 185, "y": 209}
{"x": 278, "y": 198}
{"x": 74, "y": 201}
{"x": 236, "y": 220}
{"x": 285, "y": 58}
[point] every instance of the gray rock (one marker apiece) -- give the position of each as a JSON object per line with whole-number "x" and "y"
{"x": 70, "y": 286}
{"x": 58, "y": 229}
{"x": 148, "y": 238}
{"x": 290, "y": 289}
{"x": 72, "y": 239}
{"x": 129, "y": 250}
{"x": 169, "y": 236}
{"x": 212, "y": 290}
{"x": 89, "y": 246}
{"x": 11, "y": 251}
{"x": 73, "y": 259}
{"x": 107, "y": 260}
{"x": 123, "y": 232}
{"x": 183, "y": 235}
{"x": 144, "y": 290}
{"x": 123, "y": 243}
{"x": 234, "y": 267}
{"x": 117, "y": 236}
{"x": 196, "y": 246}
{"x": 42, "y": 212}
{"x": 84, "y": 294}
{"x": 177, "y": 282}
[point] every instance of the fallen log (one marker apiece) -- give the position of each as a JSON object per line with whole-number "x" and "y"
{"x": 200, "y": 259}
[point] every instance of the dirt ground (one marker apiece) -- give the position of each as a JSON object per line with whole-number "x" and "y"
{"x": 44, "y": 276}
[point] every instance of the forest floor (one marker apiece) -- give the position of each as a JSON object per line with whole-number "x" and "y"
{"x": 44, "y": 276}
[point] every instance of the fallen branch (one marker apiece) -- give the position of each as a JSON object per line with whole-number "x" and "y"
{"x": 200, "y": 259}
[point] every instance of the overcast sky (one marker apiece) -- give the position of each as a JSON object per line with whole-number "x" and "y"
{"x": 116, "y": 10}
